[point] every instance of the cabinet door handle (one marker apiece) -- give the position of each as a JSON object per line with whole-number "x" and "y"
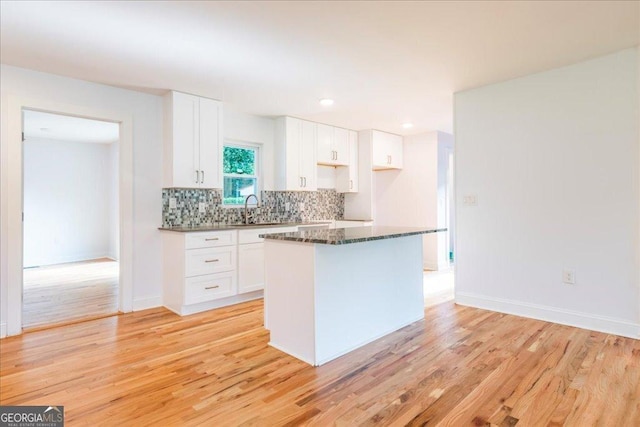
{"x": 202, "y": 178}
{"x": 305, "y": 182}
{"x": 350, "y": 184}
{"x": 211, "y": 238}
{"x": 300, "y": 181}
{"x": 211, "y": 260}
{"x": 212, "y": 287}
{"x": 197, "y": 176}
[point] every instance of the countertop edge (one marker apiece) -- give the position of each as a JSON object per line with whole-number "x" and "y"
{"x": 225, "y": 227}
{"x": 284, "y": 238}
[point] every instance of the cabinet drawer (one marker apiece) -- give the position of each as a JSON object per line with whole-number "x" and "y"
{"x": 210, "y": 260}
{"x": 251, "y": 236}
{"x": 210, "y": 239}
{"x": 209, "y": 287}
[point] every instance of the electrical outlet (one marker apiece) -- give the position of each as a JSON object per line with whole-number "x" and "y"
{"x": 301, "y": 206}
{"x": 569, "y": 276}
{"x": 202, "y": 207}
{"x": 287, "y": 206}
{"x": 172, "y": 203}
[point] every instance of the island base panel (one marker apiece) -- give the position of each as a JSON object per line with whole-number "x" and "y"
{"x": 326, "y": 300}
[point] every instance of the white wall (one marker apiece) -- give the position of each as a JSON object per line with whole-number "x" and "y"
{"x": 146, "y": 113}
{"x": 114, "y": 202}
{"x": 554, "y": 161}
{"x": 326, "y": 176}
{"x": 67, "y": 201}
{"x": 415, "y": 196}
{"x": 243, "y": 127}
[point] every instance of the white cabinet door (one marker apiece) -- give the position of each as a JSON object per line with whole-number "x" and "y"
{"x": 210, "y": 137}
{"x": 308, "y": 168}
{"x": 347, "y": 177}
{"x": 396, "y": 151}
{"x": 193, "y": 141}
{"x": 184, "y": 144}
{"x": 326, "y": 153}
{"x": 251, "y": 267}
{"x": 386, "y": 150}
{"x": 293, "y": 141}
{"x": 341, "y": 146}
{"x": 332, "y": 145}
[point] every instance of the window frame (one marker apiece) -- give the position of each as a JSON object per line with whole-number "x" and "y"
{"x": 257, "y": 168}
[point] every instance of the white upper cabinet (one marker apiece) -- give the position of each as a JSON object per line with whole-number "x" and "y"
{"x": 193, "y": 141}
{"x": 347, "y": 177}
{"x": 333, "y": 145}
{"x": 295, "y": 155}
{"x": 386, "y": 150}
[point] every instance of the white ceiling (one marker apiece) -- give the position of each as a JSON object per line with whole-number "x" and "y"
{"x": 384, "y": 63}
{"x": 67, "y": 128}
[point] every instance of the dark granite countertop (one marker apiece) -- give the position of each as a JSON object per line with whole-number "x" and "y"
{"x": 343, "y": 236}
{"x": 222, "y": 227}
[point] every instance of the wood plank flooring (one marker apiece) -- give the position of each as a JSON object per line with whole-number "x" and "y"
{"x": 460, "y": 366}
{"x": 69, "y": 292}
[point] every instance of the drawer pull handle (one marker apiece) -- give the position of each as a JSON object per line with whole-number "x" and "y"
{"x": 213, "y": 238}
{"x": 211, "y": 260}
{"x": 212, "y": 287}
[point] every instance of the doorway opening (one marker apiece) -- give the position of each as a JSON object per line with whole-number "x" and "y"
{"x": 71, "y": 219}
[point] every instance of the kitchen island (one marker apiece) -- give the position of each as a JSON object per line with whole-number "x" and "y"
{"x": 328, "y": 292}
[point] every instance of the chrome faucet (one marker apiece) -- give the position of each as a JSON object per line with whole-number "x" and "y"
{"x": 246, "y": 211}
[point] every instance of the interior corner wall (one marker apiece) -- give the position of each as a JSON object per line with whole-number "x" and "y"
{"x": 67, "y": 198}
{"x": 242, "y": 127}
{"x": 553, "y": 159}
{"x": 145, "y": 111}
{"x": 408, "y": 197}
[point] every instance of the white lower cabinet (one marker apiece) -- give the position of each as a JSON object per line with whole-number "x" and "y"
{"x": 209, "y": 287}
{"x": 206, "y": 270}
{"x": 251, "y": 272}
{"x": 199, "y": 270}
{"x": 251, "y": 257}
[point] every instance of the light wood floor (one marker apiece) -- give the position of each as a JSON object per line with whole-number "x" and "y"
{"x": 438, "y": 287}
{"x": 460, "y": 366}
{"x": 69, "y": 292}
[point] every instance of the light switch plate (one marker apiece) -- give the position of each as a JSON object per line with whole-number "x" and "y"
{"x": 202, "y": 207}
{"x": 301, "y": 206}
{"x": 172, "y": 203}
{"x": 287, "y": 206}
{"x": 470, "y": 200}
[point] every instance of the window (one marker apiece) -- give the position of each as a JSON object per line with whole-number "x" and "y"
{"x": 240, "y": 170}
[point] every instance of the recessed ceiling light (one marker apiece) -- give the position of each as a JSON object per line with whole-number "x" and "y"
{"x": 407, "y": 125}
{"x": 45, "y": 129}
{"x": 326, "y": 102}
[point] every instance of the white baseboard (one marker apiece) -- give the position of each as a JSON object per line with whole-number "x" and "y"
{"x": 145, "y": 303}
{"x": 592, "y": 322}
{"x": 3, "y": 330}
{"x": 431, "y": 266}
{"x": 434, "y": 266}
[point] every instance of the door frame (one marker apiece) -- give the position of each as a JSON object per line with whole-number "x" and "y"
{"x": 13, "y": 197}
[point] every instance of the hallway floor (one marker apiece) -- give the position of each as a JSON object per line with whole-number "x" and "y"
{"x": 69, "y": 292}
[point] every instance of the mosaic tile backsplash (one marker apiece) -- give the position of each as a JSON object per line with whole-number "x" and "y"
{"x": 275, "y": 206}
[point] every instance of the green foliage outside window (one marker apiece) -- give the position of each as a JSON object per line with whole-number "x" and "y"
{"x": 239, "y": 169}
{"x": 239, "y": 161}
